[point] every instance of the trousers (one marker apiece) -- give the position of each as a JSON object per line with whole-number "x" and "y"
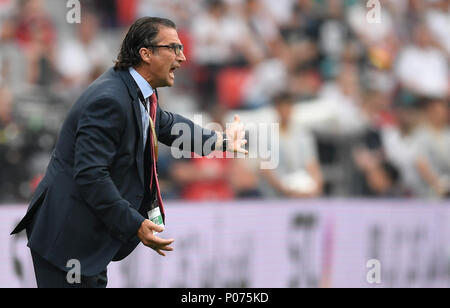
{"x": 50, "y": 276}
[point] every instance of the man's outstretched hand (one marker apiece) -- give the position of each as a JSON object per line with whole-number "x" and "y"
{"x": 145, "y": 234}
{"x": 236, "y": 136}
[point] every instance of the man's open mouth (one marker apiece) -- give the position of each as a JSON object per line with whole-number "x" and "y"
{"x": 172, "y": 71}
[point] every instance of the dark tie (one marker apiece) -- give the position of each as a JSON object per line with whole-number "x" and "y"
{"x": 154, "y": 149}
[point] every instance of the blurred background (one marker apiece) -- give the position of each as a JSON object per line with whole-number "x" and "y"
{"x": 363, "y": 106}
{"x": 361, "y": 95}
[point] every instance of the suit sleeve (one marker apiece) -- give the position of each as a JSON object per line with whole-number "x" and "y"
{"x": 97, "y": 138}
{"x": 176, "y": 130}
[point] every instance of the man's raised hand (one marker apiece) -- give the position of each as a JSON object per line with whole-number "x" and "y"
{"x": 236, "y": 136}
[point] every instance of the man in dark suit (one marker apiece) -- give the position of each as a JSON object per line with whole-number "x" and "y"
{"x": 92, "y": 205}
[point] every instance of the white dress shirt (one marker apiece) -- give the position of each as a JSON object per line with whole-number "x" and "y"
{"x": 147, "y": 91}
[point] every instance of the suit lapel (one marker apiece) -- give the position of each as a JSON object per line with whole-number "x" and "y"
{"x": 132, "y": 89}
{"x": 140, "y": 149}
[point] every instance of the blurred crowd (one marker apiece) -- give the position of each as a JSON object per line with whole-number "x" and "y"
{"x": 360, "y": 90}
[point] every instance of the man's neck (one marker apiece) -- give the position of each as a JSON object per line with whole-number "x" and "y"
{"x": 142, "y": 71}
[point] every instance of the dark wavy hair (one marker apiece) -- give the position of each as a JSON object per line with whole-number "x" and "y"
{"x": 142, "y": 33}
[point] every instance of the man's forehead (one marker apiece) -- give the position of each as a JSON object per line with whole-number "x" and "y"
{"x": 168, "y": 35}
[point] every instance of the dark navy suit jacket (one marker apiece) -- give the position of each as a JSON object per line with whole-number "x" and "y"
{"x": 89, "y": 204}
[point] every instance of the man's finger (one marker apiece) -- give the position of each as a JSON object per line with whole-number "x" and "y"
{"x": 160, "y": 252}
{"x": 157, "y": 241}
{"x": 158, "y": 228}
{"x": 152, "y": 226}
{"x": 166, "y": 248}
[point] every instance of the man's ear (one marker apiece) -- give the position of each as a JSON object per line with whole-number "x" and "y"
{"x": 146, "y": 55}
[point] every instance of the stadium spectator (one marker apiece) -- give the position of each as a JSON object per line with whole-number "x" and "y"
{"x": 262, "y": 29}
{"x": 303, "y": 23}
{"x": 401, "y": 146}
{"x": 374, "y": 175}
{"x": 305, "y": 83}
{"x": 82, "y": 56}
{"x": 438, "y": 21}
{"x": 375, "y": 32}
{"x": 11, "y": 174}
{"x": 266, "y": 78}
{"x": 334, "y": 35}
{"x": 434, "y": 145}
{"x": 422, "y": 67}
{"x": 343, "y": 98}
{"x": 36, "y": 35}
{"x": 12, "y": 66}
{"x": 298, "y": 173}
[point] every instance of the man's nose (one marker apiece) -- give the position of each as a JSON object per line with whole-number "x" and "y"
{"x": 181, "y": 57}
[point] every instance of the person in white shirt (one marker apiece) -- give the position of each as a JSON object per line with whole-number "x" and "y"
{"x": 298, "y": 174}
{"x": 438, "y": 20}
{"x": 422, "y": 67}
{"x": 80, "y": 57}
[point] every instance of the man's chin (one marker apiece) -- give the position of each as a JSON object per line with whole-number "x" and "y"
{"x": 168, "y": 83}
